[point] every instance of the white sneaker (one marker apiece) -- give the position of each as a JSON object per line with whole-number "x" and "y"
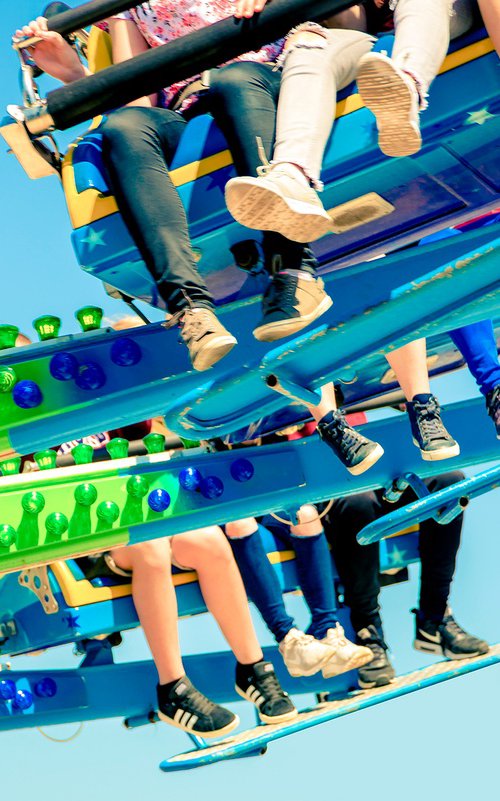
{"x": 280, "y": 200}
{"x": 346, "y": 656}
{"x": 392, "y": 96}
{"x": 303, "y": 655}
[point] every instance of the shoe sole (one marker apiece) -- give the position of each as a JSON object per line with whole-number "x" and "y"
{"x": 206, "y": 734}
{"x": 388, "y": 97}
{"x": 213, "y": 352}
{"x": 285, "y": 328}
{"x": 265, "y": 209}
{"x": 440, "y": 455}
{"x": 352, "y": 664}
{"x": 437, "y": 650}
{"x": 265, "y": 718}
{"x": 368, "y": 462}
{"x": 381, "y": 681}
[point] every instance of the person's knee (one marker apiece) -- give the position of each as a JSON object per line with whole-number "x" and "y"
{"x": 121, "y": 124}
{"x": 197, "y": 548}
{"x": 309, "y": 34}
{"x": 241, "y": 528}
{"x": 224, "y": 82}
{"x": 309, "y": 524}
{"x": 153, "y": 555}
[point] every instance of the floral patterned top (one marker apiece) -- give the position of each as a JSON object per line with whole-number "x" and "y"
{"x": 160, "y": 21}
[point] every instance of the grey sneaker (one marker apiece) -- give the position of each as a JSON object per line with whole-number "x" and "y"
{"x": 302, "y": 654}
{"x": 347, "y": 655}
{"x": 278, "y": 200}
{"x": 392, "y": 96}
{"x": 290, "y": 303}
{"x": 206, "y": 338}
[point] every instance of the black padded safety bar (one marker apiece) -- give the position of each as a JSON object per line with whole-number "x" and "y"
{"x": 179, "y": 59}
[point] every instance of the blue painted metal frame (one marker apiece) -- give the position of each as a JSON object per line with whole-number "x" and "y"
{"x": 435, "y": 504}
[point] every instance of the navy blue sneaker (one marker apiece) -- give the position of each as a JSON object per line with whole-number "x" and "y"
{"x": 259, "y": 684}
{"x": 429, "y": 433}
{"x": 493, "y": 408}
{"x": 379, "y": 671}
{"x": 185, "y": 707}
{"x": 356, "y": 452}
{"x": 446, "y": 638}
{"x": 290, "y": 303}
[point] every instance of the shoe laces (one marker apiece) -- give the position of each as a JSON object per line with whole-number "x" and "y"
{"x": 347, "y": 439}
{"x": 270, "y": 686}
{"x": 374, "y": 642}
{"x": 198, "y": 702}
{"x": 428, "y": 420}
{"x": 338, "y": 634}
{"x": 196, "y": 323}
{"x": 451, "y": 626}
{"x": 280, "y": 294}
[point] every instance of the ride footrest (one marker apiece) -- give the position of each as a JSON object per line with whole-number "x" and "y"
{"x": 255, "y": 741}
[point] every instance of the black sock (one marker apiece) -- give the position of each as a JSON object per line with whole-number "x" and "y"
{"x": 244, "y": 673}
{"x": 165, "y": 689}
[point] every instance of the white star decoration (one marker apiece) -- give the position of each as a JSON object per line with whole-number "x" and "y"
{"x": 93, "y": 239}
{"x": 479, "y": 117}
{"x": 397, "y": 557}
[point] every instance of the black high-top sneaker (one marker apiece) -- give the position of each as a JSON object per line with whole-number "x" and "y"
{"x": 258, "y": 683}
{"x": 429, "y": 433}
{"x": 185, "y": 707}
{"x": 379, "y": 671}
{"x": 356, "y": 452}
{"x": 446, "y": 638}
{"x": 493, "y": 407}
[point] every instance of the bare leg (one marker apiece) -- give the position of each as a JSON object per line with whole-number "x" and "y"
{"x": 155, "y": 601}
{"x": 222, "y": 587}
{"x": 327, "y": 403}
{"x": 490, "y": 9}
{"x": 410, "y": 366}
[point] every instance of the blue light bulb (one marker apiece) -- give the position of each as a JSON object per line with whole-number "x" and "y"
{"x": 190, "y": 478}
{"x": 242, "y": 470}
{"x": 46, "y": 688}
{"x": 211, "y": 487}
{"x": 159, "y": 500}
{"x": 23, "y": 699}
{"x": 27, "y": 395}
{"x": 125, "y": 352}
{"x": 7, "y": 689}
{"x": 63, "y": 366}
{"x": 90, "y": 376}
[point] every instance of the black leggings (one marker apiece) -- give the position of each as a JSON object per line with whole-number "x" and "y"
{"x": 358, "y": 565}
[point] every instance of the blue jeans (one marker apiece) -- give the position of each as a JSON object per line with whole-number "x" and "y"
{"x": 477, "y": 345}
{"x": 314, "y": 570}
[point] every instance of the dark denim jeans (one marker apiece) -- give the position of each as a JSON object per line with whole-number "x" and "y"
{"x": 358, "y": 565}
{"x": 243, "y": 99}
{"x": 138, "y": 146}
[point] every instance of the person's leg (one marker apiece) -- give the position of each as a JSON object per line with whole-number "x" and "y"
{"x": 396, "y": 88}
{"x": 430, "y": 435}
{"x": 478, "y": 346}
{"x": 303, "y": 655}
{"x": 358, "y": 567}
{"x": 179, "y": 702}
{"x": 138, "y": 145}
{"x": 356, "y": 452}
{"x": 436, "y": 629}
{"x": 208, "y": 552}
{"x": 243, "y": 98}
{"x": 316, "y": 63}
{"x": 315, "y": 574}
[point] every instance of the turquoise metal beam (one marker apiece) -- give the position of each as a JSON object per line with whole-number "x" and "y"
{"x": 423, "y": 508}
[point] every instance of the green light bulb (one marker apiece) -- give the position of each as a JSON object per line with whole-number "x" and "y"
{"x": 47, "y": 327}
{"x": 85, "y": 494}
{"x": 89, "y": 317}
{"x": 137, "y": 486}
{"x": 56, "y": 525}
{"x": 45, "y": 460}
{"x": 107, "y": 514}
{"x": 7, "y": 536}
{"x": 10, "y": 467}
{"x": 189, "y": 443}
{"x": 118, "y": 448}
{"x": 155, "y": 443}
{"x": 82, "y": 453}
{"x": 33, "y": 502}
{"x": 7, "y": 379}
{"x": 8, "y": 336}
